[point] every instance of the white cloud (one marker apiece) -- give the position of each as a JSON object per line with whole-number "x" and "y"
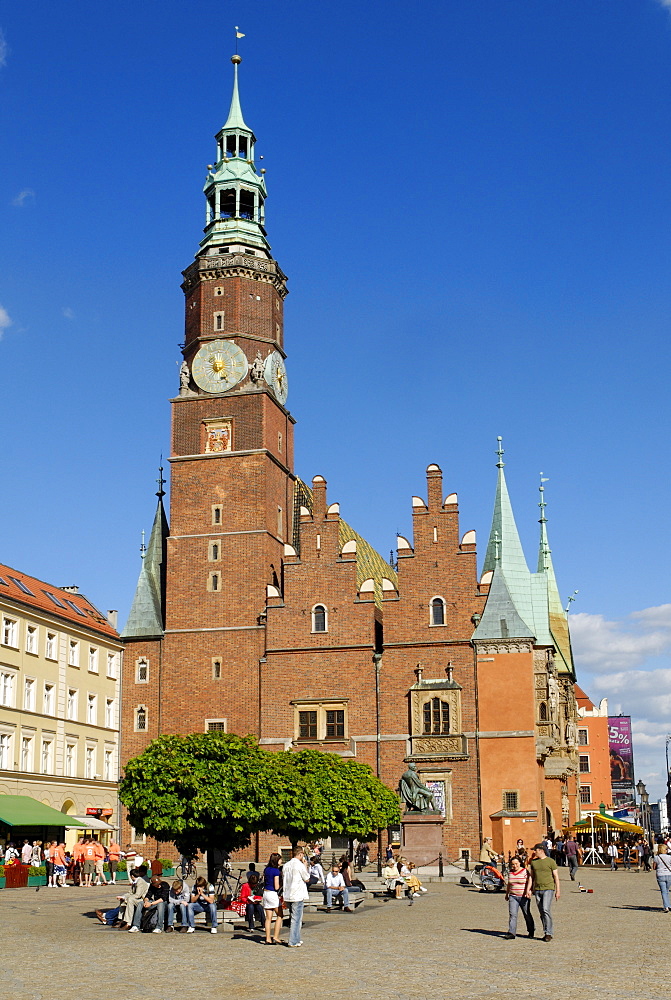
{"x": 602, "y": 646}
{"x": 5, "y": 320}
{"x": 645, "y": 694}
{"x": 4, "y": 49}
{"x": 22, "y": 197}
{"x": 68, "y": 312}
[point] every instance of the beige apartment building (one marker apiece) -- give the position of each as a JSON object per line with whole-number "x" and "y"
{"x": 60, "y": 668}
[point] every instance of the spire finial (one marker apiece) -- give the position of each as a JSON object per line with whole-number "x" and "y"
{"x": 542, "y": 504}
{"x": 499, "y": 452}
{"x": 161, "y": 481}
{"x": 497, "y": 542}
{"x": 143, "y": 547}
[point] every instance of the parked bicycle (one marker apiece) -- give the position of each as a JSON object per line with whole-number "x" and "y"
{"x": 186, "y": 869}
{"x": 488, "y": 878}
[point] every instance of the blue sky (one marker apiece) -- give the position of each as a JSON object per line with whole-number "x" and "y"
{"x": 471, "y": 200}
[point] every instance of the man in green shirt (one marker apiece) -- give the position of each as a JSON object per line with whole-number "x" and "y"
{"x": 543, "y": 881}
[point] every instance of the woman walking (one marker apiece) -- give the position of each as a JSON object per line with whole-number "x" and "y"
{"x": 271, "y": 899}
{"x": 662, "y": 864}
{"x": 515, "y": 894}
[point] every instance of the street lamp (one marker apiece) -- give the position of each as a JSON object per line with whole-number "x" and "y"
{"x": 645, "y": 798}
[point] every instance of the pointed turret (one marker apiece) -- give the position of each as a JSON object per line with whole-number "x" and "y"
{"x": 147, "y": 618}
{"x": 235, "y": 193}
{"x": 504, "y": 549}
{"x": 557, "y": 619}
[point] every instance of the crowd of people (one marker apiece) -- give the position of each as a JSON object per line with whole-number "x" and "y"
{"x": 81, "y": 865}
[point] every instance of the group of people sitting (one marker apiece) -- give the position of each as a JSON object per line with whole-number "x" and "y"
{"x": 153, "y": 905}
{"x": 400, "y": 877}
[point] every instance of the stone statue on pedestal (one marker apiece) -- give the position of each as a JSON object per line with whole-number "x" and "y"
{"x": 417, "y": 797}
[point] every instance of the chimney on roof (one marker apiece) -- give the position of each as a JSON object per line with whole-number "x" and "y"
{"x": 113, "y": 618}
{"x": 71, "y": 590}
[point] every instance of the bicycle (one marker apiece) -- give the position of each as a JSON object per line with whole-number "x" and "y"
{"x": 488, "y": 878}
{"x": 187, "y": 870}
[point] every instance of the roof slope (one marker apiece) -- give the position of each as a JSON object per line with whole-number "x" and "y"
{"x": 146, "y": 617}
{"x": 67, "y": 605}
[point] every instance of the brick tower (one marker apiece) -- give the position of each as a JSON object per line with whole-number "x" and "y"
{"x": 196, "y": 630}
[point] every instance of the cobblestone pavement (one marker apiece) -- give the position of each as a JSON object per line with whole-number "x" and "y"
{"x": 447, "y": 944}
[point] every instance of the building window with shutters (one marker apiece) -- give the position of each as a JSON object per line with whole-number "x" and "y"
{"x": 320, "y": 721}
{"x": 437, "y": 611}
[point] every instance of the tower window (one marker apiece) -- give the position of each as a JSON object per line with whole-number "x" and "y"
{"x": 216, "y": 669}
{"x": 214, "y": 582}
{"x": 142, "y": 671}
{"x": 437, "y": 611}
{"x": 216, "y": 514}
{"x": 319, "y": 619}
{"x": 140, "y": 719}
{"x": 227, "y": 203}
{"x": 219, "y": 290}
{"x": 231, "y": 145}
{"x": 214, "y": 551}
{"x": 242, "y": 146}
{"x": 218, "y": 321}
{"x": 246, "y": 204}
{"x": 279, "y": 442}
{"x": 280, "y": 522}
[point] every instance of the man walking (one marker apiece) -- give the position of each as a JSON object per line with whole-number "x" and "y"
{"x": 295, "y": 876}
{"x": 612, "y": 854}
{"x": 571, "y": 854}
{"x": 543, "y": 881}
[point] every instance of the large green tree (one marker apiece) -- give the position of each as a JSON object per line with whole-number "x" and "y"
{"x": 217, "y": 789}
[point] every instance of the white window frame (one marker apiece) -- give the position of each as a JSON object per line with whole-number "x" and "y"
{"x": 32, "y": 639}
{"x": 90, "y": 763}
{"x": 49, "y": 698}
{"x": 136, "y": 713}
{"x": 27, "y": 750}
{"x": 71, "y": 759}
{"x": 72, "y": 705}
{"x": 7, "y": 689}
{"x": 47, "y": 755}
{"x": 73, "y": 653}
{"x": 29, "y": 688}
{"x": 581, "y": 769}
{"x": 321, "y": 707}
{"x": 6, "y": 751}
{"x": 112, "y": 666}
{"x": 109, "y": 713}
{"x": 51, "y": 647}
{"x": 93, "y": 659}
{"x": 108, "y": 764}
{"x": 92, "y": 709}
{"x": 216, "y": 725}
{"x": 582, "y": 729}
{"x": 10, "y": 632}
{"x": 586, "y": 801}
{"x": 142, "y": 666}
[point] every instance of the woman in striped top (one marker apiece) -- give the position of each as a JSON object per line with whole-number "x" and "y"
{"x": 515, "y": 889}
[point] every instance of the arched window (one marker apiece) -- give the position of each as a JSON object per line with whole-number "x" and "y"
{"x": 140, "y": 719}
{"x": 436, "y": 717}
{"x": 543, "y": 712}
{"x": 437, "y": 611}
{"x": 319, "y": 618}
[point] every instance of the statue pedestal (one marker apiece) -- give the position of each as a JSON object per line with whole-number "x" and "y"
{"x": 422, "y": 837}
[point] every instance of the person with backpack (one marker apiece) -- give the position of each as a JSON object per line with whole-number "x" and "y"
{"x": 151, "y": 916}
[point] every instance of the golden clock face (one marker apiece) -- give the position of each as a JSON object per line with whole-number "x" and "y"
{"x": 218, "y": 366}
{"x": 275, "y": 375}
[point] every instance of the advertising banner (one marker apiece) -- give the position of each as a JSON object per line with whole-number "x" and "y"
{"x": 621, "y": 759}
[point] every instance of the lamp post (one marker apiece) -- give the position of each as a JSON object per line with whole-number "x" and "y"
{"x": 645, "y": 798}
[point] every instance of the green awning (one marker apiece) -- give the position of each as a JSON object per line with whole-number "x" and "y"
{"x": 21, "y": 810}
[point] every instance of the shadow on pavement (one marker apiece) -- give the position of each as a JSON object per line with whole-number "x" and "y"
{"x": 650, "y": 909}
{"x": 480, "y": 930}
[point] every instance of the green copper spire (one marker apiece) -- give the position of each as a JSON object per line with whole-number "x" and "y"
{"x": 235, "y": 193}
{"x": 146, "y": 616}
{"x": 504, "y": 548}
{"x": 235, "y": 119}
{"x": 557, "y": 618}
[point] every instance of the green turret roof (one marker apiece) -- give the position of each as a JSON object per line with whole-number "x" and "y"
{"x": 557, "y": 618}
{"x": 146, "y": 616}
{"x": 235, "y": 121}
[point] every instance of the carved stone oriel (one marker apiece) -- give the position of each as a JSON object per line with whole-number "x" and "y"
{"x": 438, "y": 745}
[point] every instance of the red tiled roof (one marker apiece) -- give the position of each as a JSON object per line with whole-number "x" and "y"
{"x": 33, "y": 593}
{"x": 583, "y": 700}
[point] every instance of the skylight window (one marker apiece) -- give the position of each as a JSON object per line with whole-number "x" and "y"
{"x": 54, "y": 599}
{"x": 4, "y": 582}
{"x": 21, "y": 585}
{"x": 75, "y": 608}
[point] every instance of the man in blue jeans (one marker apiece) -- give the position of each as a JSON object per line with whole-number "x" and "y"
{"x": 295, "y": 876}
{"x": 335, "y": 886}
{"x": 544, "y": 884}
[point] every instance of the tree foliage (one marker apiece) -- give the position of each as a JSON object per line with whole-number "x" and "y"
{"x": 217, "y": 788}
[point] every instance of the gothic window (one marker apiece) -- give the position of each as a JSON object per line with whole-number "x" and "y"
{"x": 437, "y": 611}
{"x": 218, "y": 321}
{"x": 214, "y": 582}
{"x": 227, "y": 203}
{"x": 140, "y": 719}
{"x": 214, "y": 551}
{"x": 216, "y": 669}
{"x": 543, "y": 712}
{"x": 319, "y": 619}
{"x": 142, "y": 671}
{"x": 216, "y": 514}
{"x": 436, "y": 717}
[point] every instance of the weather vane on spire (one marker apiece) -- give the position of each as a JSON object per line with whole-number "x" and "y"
{"x": 570, "y": 601}
{"x": 143, "y": 547}
{"x": 541, "y": 489}
{"x": 160, "y": 481}
{"x": 238, "y": 35}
